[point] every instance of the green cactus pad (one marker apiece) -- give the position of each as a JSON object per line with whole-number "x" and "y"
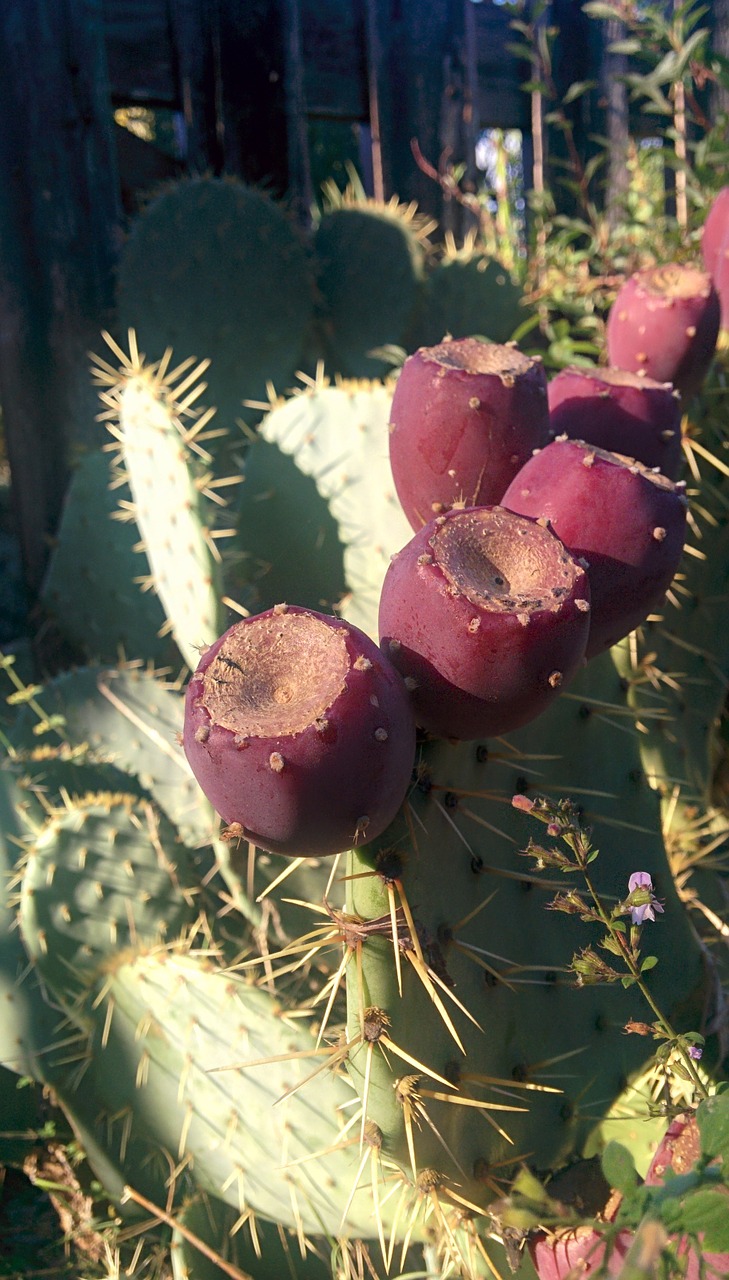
{"x": 175, "y": 1047}
{"x": 129, "y": 718}
{"x": 215, "y": 269}
{"x": 105, "y": 873}
{"x": 479, "y": 911}
{"x": 89, "y": 589}
{"x": 339, "y": 436}
{"x": 151, "y": 415}
{"x": 369, "y": 265}
{"x": 286, "y": 536}
{"x": 255, "y": 1247}
{"x": 676, "y": 669}
{"x": 28, "y": 1021}
{"x": 468, "y": 294}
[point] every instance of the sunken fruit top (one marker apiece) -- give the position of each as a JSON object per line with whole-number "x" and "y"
{"x": 673, "y": 280}
{"x": 618, "y": 378}
{"x": 299, "y": 732}
{"x": 502, "y": 563}
{"x": 275, "y": 676}
{"x": 474, "y": 356}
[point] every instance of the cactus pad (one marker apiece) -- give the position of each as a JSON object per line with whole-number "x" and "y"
{"x": 105, "y": 872}
{"x": 338, "y": 435}
{"x": 214, "y": 268}
{"x": 488, "y": 950}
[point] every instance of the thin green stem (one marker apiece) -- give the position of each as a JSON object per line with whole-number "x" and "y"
{"x": 618, "y": 938}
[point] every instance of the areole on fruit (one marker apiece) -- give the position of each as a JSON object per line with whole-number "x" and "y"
{"x": 486, "y": 615}
{"x": 299, "y": 732}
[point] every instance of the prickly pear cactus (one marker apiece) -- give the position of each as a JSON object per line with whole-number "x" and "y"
{"x": 338, "y": 435}
{"x": 472, "y": 1046}
{"x": 469, "y": 293}
{"x": 152, "y": 416}
{"x": 360, "y": 1051}
{"x": 89, "y": 590}
{"x": 369, "y": 263}
{"x": 106, "y": 871}
{"x": 215, "y": 268}
{"x": 286, "y": 537}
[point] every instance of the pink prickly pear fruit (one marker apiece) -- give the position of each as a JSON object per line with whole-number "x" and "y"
{"x": 664, "y": 323}
{"x": 721, "y": 281}
{"x": 715, "y": 250}
{"x": 299, "y": 732}
{"x": 625, "y": 522}
{"x": 678, "y": 1153}
{"x": 716, "y": 229}
{"x": 465, "y": 417}
{"x": 486, "y": 615}
{"x": 579, "y": 1252}
{"x": 619, "y": 411}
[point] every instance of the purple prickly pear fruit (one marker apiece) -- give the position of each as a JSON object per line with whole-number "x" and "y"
{"x": 626, "y": 522}
{"x": 664, "y": 323}
{"x": 721, "y": 281}
{"x": 580, "y": 1252}
{"x": 465, "y": 417}
{"x": 716, "y": 229}
{"x": 299, "y": 732}
{"x": 486, "y": 615}
{"x": 619, "y": 411}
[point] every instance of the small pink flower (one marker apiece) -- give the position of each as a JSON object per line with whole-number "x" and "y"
{"x": 522, "y": 802}
{"x": 646, "y": 910}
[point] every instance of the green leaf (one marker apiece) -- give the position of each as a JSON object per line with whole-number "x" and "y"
{"x": 597, "y": 9}
{"x": 707, "y": 1213}
{"x": 688, "y": 50}
{"x": 577, "y": 89}
{"x": 713, "y": 1121}
{"x": 618, "y": 1167}
{"x": 650, "y": 962}
{"x": 628, "y": 46}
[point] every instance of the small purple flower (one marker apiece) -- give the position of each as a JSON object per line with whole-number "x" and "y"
{"x": 695, "y": 1052}
{"x": 646, "y": 910}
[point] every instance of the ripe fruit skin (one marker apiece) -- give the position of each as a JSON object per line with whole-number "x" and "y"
{"x": 716, "y": 230}
{"x": 489, "y": 615}
{"x": 619, "y": 411}
{"x": 577, "y": 1252}
{"x": 679, "y": 1151}
{"x": 628, "y": 523}
{"x": 299, "y": 731}
{"x": 721, "y": 281}
{"x": 465, "y": 416}
{"x": 664, "y": 323}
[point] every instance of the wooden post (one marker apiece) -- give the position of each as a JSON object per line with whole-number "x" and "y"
{"x": 374, "y": 75}
{"x": 300, "y": 188}
{"x": 59, "y": 231}
{"x": 720, "y": 44}
{"x": 615, "y": 93}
